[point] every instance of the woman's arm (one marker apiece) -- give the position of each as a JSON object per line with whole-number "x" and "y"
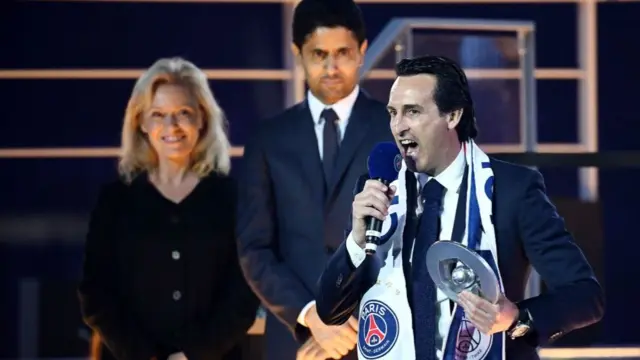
{"x": 98, "y": 292}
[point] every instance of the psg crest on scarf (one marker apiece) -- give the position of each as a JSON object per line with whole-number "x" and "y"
{"x": 455, "y": 268}
{"x": 377, "y": 329}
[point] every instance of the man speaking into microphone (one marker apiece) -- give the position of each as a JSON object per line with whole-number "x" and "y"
{"x": 448, "y": 189}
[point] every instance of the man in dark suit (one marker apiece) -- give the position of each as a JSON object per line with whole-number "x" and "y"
{"x": 299, "y": 171}
{"x": 431, "y": 118}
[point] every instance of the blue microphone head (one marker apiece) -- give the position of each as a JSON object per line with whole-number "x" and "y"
{"x": 384, "y": 162}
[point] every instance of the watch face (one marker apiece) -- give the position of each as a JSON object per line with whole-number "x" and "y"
{"x": 519, "y": 330}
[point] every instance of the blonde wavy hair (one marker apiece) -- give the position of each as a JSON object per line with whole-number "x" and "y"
{"x": 212, "y": 152}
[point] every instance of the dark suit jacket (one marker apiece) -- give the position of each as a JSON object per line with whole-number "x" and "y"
{"x": 161, "y": 277}
{"x": 287, "y": 226}
{"x": 529, "y": 233}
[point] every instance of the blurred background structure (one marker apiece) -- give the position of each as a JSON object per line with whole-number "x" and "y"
{"x": 546, "y": 76}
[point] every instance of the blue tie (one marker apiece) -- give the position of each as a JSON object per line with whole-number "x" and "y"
{"x": 424, "y": 290}
{"x": 331, "y": 143}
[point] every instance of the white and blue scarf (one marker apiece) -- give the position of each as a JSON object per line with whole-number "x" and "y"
{"x": 385, "y": 322}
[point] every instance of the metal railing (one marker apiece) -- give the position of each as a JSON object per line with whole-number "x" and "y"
{"x": 398, "y": 33}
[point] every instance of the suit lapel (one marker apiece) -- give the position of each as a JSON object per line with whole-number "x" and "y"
{"x": 356, "y": 131}
{"x": 305, "y": 144}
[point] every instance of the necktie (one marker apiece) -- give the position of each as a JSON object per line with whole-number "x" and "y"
{"x": 330, "y": 143}
{"x": 424, "y": 290}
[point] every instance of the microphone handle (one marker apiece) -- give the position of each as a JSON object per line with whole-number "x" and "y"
{"x": 372, "y": 234}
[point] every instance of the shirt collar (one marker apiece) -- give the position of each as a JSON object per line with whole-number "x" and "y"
{"x": 342, "y": 108}
{"x": 451, "y": 177}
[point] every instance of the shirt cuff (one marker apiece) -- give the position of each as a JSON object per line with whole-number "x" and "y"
{"x": 303, "y": 313}
{"x": 356, "y": 253}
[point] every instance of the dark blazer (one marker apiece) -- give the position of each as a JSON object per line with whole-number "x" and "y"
{"x": 529, "y": 233}
{"x": 161, "y": 277}
{"x": 287, "y": 225}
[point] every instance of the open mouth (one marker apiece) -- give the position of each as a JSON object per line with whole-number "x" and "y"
{"x": 173, "y": 139}
{"x": 410, "y": 147}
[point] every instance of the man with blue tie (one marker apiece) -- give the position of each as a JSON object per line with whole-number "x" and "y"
{"x": 448, "y": 189}
{"x": 298, "y": 174}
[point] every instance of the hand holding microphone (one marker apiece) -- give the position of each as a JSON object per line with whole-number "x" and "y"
{"x": 371, "y": 205}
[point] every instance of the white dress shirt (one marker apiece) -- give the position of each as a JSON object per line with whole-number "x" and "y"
{"x": 450, "y": 179}
{"x": 343, "y": 109}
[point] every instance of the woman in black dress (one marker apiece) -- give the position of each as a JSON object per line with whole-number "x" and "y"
{"x": 161, "y": 278}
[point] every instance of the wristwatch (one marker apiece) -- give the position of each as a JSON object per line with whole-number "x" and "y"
{"x": 522, "y": 326}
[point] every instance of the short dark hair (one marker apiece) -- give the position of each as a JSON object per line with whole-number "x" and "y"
{"x": 312, "y": 14}
{"x": 451, "y": 92}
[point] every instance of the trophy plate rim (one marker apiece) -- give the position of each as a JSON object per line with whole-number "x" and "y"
{"x": 489, "y": 283}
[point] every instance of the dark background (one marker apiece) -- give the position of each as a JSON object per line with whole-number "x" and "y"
{"x": 57, "y": 194}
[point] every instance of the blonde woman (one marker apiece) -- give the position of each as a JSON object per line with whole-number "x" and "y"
{"x": 161, "y": 277}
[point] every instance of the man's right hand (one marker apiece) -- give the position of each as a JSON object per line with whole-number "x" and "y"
{"x": 338, "y": 340}
{"x": 373, "y": 201}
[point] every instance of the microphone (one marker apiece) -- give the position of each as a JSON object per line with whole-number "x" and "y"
{"x": 384, "y": 164}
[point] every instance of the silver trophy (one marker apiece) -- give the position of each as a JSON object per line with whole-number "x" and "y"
{"x": 455, "y": 268}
